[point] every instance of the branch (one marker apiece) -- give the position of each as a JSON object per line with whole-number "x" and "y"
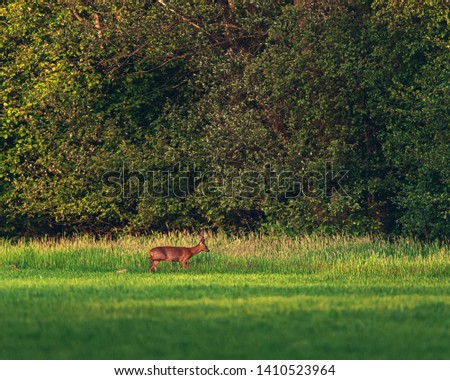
{"x": 166, "y": 62}
{"x": 77, "y": 16}
{"x": 97, "y": 25}
{"x": 185, "y": 19}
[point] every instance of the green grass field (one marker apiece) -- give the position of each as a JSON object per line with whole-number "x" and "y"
{"x": 249, "y": 298}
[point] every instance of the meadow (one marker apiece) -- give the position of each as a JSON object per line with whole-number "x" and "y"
{"x": 252, "y": 297}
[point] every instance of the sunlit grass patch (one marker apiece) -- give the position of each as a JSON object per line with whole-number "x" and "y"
{"x": 251, "y": 254}
{"x": 257, "y": 297}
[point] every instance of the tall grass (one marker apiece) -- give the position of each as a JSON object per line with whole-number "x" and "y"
{"x": 337, "y": 255}
{"x": 252, "y": 297}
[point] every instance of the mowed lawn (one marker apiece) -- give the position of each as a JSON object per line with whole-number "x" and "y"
{"x": 253, "y": 298}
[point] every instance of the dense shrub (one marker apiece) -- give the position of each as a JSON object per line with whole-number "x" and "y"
{"x": 107, "y": 106}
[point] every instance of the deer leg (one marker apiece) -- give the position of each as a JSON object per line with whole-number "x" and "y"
{"x": 150, "y": 268}
{"x": 154, "y": 264}
{"x": 184, "y": 264}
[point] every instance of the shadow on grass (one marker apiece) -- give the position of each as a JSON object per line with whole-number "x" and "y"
{"x": 224, "y": 322}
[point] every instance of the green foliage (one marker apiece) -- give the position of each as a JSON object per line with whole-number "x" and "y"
{"x": 236, "y": 94}
{"x": 417, "y": 138}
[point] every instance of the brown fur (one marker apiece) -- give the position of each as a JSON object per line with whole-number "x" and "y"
{"x": 180, "y": 254}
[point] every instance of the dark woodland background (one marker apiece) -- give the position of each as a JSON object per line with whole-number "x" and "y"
{"x": 225, "y": 88}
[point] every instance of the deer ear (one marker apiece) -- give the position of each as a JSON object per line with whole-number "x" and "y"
{"x": 202, "y": 240}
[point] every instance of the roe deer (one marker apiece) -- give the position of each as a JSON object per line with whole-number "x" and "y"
{"x": 180, "y": 254}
